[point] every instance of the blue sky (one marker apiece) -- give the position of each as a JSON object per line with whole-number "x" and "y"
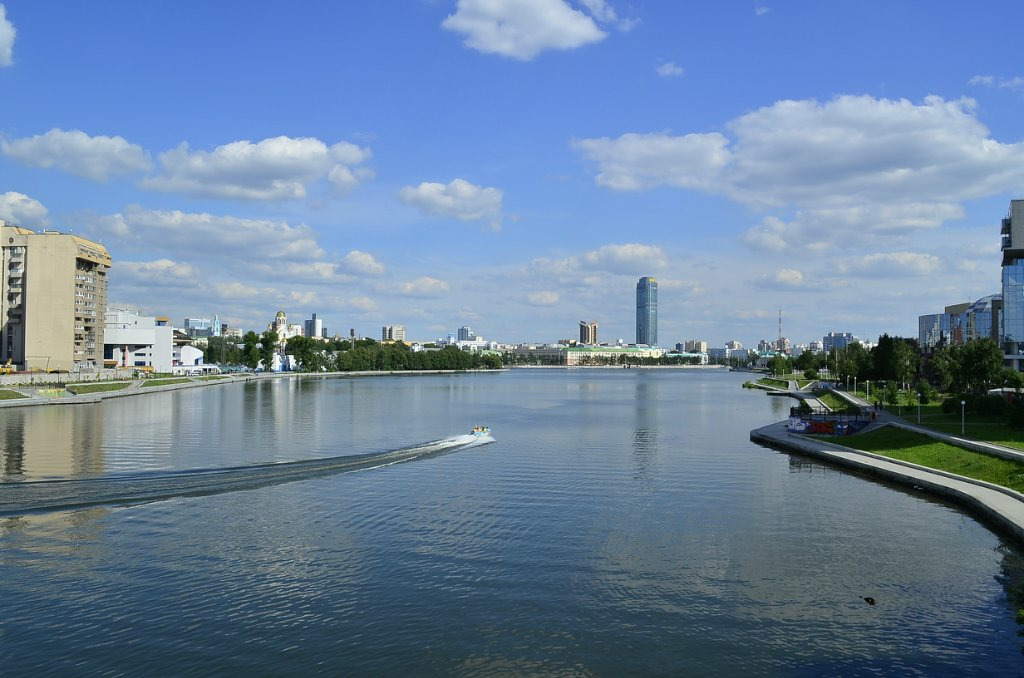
{"x": 516, "y": 165}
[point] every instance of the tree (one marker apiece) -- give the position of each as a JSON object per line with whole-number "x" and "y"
{"x": 892, "y": 393}
{"x": 268, "y": 346}
{"x": 808, "y": 361}
{"x": 779, "y": 365}
{"x": 982, "y": 365}
{"x": 906, "y": 360}
{"x": 251, "y": 350}
{"x": 308, "y": 352}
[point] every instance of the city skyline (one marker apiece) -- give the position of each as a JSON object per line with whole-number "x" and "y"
{"x": 516, "y": 166}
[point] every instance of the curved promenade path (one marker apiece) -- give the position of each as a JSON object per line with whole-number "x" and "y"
{"x": 1001, "y": 507}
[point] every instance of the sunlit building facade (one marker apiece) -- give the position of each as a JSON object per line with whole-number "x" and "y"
{"x": 53, "y": 299}
{"x": 588, "y": 333}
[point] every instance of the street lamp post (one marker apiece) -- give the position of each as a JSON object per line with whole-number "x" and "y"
{"x": 918, "y": 408}
{"x": 963, "y": 416}
{"x": 868, "y": 397}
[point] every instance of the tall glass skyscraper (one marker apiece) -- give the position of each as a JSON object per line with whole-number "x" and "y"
{"x": 647, "y": 311}
{"x": 1012, "y": 325}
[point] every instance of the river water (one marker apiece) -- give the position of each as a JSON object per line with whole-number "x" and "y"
{"x": 622, "y": 524}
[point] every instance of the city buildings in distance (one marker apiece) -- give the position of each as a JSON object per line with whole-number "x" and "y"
{"x": 998, "y": 316}
{"x": 588, "y": 333}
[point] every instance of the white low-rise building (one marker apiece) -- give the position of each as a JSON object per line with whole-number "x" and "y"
{"x": 133, "y": 340}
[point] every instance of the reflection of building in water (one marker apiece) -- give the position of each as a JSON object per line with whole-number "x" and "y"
{"x": 645, "y": 428}
{"x": 52, "y": 442}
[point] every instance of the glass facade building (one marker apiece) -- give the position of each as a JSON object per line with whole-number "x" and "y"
{"x": 1013, "y": 306}
{"x": 647, "y": 311}
{"x": 933, "y": 330}
{"x": 1011, "y": 325}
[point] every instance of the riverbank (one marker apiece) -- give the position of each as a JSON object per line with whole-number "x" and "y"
{"x": 49, "y": 395}
{"x": 1000, "y": 507}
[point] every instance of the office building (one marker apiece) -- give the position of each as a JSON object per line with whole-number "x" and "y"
{"x": 1012, "y": 329}
{"x": 837, "y": 340}
{"x": 694, "y": 346}
{"x": 314, "y": 327}
{"x": 53, "y": 296}
{"x": 466, "y": 334}
{"x": 392, "y": 333}
{"x": 647, "y": 312}
{"x": 588, "y": 333}
{"x": 199, "y": 328}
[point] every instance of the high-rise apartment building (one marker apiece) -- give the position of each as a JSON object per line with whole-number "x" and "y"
{"x": 647, "y": 311}
{"x": 466, "y": 334}
{"x": 588, "y": 333}
{"x": 53, "y": 299}
{"x": 392, "y": 333}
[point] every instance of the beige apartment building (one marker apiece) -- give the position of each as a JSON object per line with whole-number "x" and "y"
{"x": 53, "y": 299}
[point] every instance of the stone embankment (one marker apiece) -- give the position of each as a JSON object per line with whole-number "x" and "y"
{"x": 48, "y": 394}
{"x": 999, "y": 506}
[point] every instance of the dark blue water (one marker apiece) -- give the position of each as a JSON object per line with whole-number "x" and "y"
{"x": 623, "y": 524}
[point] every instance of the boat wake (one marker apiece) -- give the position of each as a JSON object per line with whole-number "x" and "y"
{"x": 60, "y": 495}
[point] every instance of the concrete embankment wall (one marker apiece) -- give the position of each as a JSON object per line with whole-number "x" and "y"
{"x": 1000, "y": 507}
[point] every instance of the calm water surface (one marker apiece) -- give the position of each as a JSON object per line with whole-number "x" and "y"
{"x": 623, "y": 524}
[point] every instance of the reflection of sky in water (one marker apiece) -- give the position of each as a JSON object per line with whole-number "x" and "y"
{"x": 622, "y": 524}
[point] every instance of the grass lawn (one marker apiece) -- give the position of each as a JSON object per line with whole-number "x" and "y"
{"x": 771, "y": 381}
{"x": 837, "y": 404}
{"x": 919, "y": 449}
{"x": 213, "y": 377}
{"x": 975, "y": 427}
{"x": 10, "y": 395}
{"x": 166, "y": 382}
{"x": 79, "y": 389}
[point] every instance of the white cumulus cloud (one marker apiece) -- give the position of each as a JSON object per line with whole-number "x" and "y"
{"x": 156, "y": 273}
{"x": 788, "y": 277}
{"x": 238, "y": 240}
{"x": 669, "y": 70}
{"x": 633, "y": 259}
{"x": 363, "y": 262}
{"x": 629, "y": 258}
{"x": 280, "y": 168}
{"x": 18, "y": 209}
{"x": 97, "y": 158}
{"x": 890, "y": 265}
{"x": 835, "y": 170}
{"x": 543, "y": 298}
{"x": 521, "y": 29}
{"x": 1014, "y": 83}
{"x": 7, "y": 34}
{"x": 424, "y": 286}
{"x": 636, "y": 162}
{"x": 458, "y": 198}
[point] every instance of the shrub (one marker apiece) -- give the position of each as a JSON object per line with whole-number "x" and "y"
{"x": 951, "y": 405}
{"x": 810, "y": 374}
{"x": 991, "y": 405}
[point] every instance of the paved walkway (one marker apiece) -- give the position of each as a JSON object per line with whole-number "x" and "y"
{"x": 1001, "y": 506}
